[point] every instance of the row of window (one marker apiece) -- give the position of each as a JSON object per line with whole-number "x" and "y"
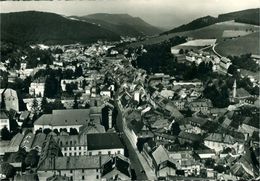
{"x": 90, "y": 153}
{"x": 83, "y": 177}
{"x": 75, "y": 148}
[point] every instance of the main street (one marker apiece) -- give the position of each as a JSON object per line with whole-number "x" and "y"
{"x": 135, "y": 162}
{"x": 138, "y": 162}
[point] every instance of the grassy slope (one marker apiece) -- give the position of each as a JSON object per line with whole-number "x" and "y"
{"x": 241, "y": 45}
{"x": 212, "y": 31}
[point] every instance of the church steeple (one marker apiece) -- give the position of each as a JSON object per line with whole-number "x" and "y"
{"x": 235, "y": 89}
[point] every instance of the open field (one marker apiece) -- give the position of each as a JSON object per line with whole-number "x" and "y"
{"x": 200, "y": 42}
{"x": 214, "y": 31}
{"x": 240, "y": 45}
{"x": 235, "y": 33}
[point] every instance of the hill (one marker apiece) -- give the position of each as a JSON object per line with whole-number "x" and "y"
{"x": 241, "y": 45}
{"x": 196, "y": 24}
{"x": 249, "y": 16}
{"x": 122, "y": 24}
{"x": 214, "y": 31}
{"x": 42, "y": 27}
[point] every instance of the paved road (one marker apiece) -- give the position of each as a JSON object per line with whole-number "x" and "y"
{"x": 213, "y": 48}
{"x": 135, "y": 162}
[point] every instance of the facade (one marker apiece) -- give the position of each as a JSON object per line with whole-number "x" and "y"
{"x": 4, "y": 120}
{"x": 73, "y": 145}
{"x": 116, "y": 168}
{"x": 37, "y": 88}
{"x": 10, "y": 99}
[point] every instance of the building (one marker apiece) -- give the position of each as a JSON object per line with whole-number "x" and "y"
{"x": 116, "y": 168}
{"x": 4, "y": 120}
{"x": 224, "y": 64}
{"x": 10, "y": 100}
{"x": 37, "y": 87}
{"x": 73, "y": 145}
{"x": 185, "y": 161}
{"x": 104, "y": 144}
{"x": 76, "y": 167}
{"x": 66, "y": 119}
{"x": 202, "y": 106}
{"x": 162, "y": 163}
{"x": 219, "y": 142}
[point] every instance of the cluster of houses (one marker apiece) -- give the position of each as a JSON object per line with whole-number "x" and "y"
{"x": 175, "y": 131}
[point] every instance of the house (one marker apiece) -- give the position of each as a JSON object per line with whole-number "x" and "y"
{"x": 92, "y": 128}
{"x": 4, "y": 120}
{"x": 249, "y": 125}
{"x": 116, "y": 168}
{"x": 38, "y": 141}
{"x": 224, "y": 64}
{"x": 244, "y": 168}
{"x": 106, "y": 91}
{"x": 200, "y": 105}
{"x": 73, "y": 145}
{"x": 163, "y": 165}
{"x": 37, "y": 87}
{"x": 10, "y": 99}
{"x": 104, "y": 144}
{"x": 206, "y": 154}
{"x": 219, "y": 142}
{"x": 76, "y": 167}
{"x": 137, "y": 130}
{"x": 23, "y": 118}
{"x": 65, "y": 119}
{"x": 27, "y": 141}
{"x": 185, "y": 137}
{"x": 185, "y": 161}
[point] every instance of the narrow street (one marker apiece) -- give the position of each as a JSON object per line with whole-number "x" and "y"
{"x": 135, "y": 162}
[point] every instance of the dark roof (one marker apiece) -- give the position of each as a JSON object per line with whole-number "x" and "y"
{"x": 3, "y": 115}
{"x": 116, "y": 163}
{"x": 103, "y": 141}
{"x": 64, "y": 117}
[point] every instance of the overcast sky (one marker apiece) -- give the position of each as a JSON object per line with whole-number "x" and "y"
{"x": 162, "y": 13}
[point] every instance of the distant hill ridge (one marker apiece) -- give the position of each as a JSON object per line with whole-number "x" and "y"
{"x": 43, "y": 27}
{"x": 123, "y": 24}
{"x": 249, "y": 16}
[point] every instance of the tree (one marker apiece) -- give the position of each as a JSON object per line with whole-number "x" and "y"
{"x": 35, "y": 105}
{"x": 73, "y": 131}
{"x": 8, "y": 170}
{"x": 32, "y": 158}
{"x": 181, "y": 51}
{"x": 78, "y": 71}
{"x": 175, "y": 129}
{"x": 44, "y": 106}
{"x": 52, "y": 87}
{"x": 76, "y": 104}
{"x": 46, "y": 131}
{"x": 5, "y": 134}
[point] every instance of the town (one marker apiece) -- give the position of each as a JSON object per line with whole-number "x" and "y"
{"x": 129, "y": 90}
{"x": 76, "y": 112}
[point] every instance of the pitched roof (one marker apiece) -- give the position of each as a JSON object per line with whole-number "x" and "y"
{"x": 160, "y": 155}
{"x": 242, "y": 93}
{"x": 117, "y": 162}
{"x": 64, "y": 117}
{"x": 103, "y": 141}
{"x": 221, "y": 138}
{"x": 3, "y": 115}
{"x": 72, "y": 163}
{"x": 72, "y": 140}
